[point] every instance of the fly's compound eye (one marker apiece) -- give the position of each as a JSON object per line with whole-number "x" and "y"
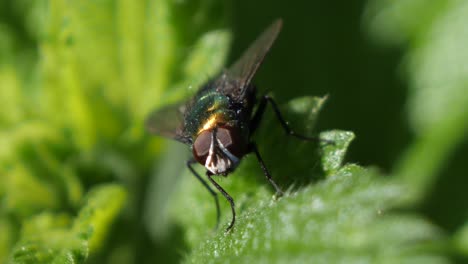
{"x": 231, "y": 140}
{"x": 201, "y": 146}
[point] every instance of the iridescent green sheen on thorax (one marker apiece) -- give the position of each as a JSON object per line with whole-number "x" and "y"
{"x": 209, "y": 105}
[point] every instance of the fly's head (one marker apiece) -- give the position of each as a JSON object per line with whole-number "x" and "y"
{"x": 219, "y": 149}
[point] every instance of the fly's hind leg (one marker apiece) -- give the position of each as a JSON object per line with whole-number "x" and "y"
{"x": 259, "y": 114}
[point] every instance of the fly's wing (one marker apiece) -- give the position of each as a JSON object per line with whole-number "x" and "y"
{"x": 237, "y": 78}
{"x": 168, "y": 122}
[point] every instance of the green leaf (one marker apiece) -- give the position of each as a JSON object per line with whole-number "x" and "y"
{"x": 334, "y": 145}
{"x": 7, "y": 238}
{"x": 436, "y": 64}
{"x": 45, "y": 238}
{"x": 57, "y": 238}
{"x": 346, "y": 218}
{"x": 303, "y": 112}
{"x": 436, "y": 67}
{"x": 77, "y": 80}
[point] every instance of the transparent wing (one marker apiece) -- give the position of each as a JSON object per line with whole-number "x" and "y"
{"x": 238, "y": 77}
{"x": 168, "y": 122}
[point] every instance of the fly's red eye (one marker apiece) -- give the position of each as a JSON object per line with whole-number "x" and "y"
{"x": 230, "y": 138}
{"x": 224, "y": 136}
{"x": 201, "y": 146}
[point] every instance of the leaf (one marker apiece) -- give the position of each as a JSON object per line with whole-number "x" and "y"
{"x": 433, "y": 165}
{"x": 80, "y": 76}
{"x": 346, "y": 218}
{"x": 7, "y": 238}
{"x": 334, "y": 145}
{"x": 56, "y": 238}
{"x": 437, "y": 63}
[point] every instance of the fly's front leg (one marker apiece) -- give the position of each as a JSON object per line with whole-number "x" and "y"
{"x": 213, "y": 193}
{"x": 227, "y": 196}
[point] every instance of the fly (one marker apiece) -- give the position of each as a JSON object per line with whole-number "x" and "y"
{"x": 219, "y": 120}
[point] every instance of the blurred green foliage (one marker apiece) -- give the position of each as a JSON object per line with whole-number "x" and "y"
{"x": 81, "y": 181}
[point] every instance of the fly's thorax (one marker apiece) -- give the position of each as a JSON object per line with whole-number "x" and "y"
{"x": 208, "y": 109}
{"x": 220, "y": 149}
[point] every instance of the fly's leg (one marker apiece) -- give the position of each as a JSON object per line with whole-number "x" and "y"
{"x": 254, "y": 123}
{"x": 213, "y": 193}
{"x": 259, "y": 114}
{"x": 227, "y": 196}
{"x": 253, "y": 148}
